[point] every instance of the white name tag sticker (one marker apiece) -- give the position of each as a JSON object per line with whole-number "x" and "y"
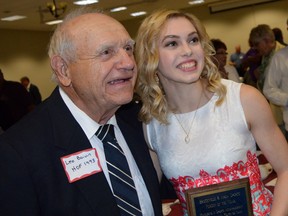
{"x": 81, "y": 164}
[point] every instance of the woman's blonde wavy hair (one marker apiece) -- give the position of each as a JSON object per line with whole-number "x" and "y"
{"x": 148, "y": 86}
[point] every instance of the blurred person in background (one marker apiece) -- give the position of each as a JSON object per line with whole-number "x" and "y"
{"x": 279, "y": 36}
{"x": 250, "y": 63}
{"x": 276, "y": 82}
{"x": 263, "y": 39}
{"x": 15, "y": 102}
{"x": 220, "y": 59}
{"x": 32, "y": 89}
{"x": 236, "y": 60}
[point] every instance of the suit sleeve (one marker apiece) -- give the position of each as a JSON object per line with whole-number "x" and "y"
{"x": 17, "y": 194}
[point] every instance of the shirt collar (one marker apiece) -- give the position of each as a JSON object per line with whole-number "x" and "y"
{"x": 88, "y": 125}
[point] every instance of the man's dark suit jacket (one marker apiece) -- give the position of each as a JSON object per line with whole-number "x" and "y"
{"x": 32, "y": 178}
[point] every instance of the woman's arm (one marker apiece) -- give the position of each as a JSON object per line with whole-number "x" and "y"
{"x": 270, "y": 140}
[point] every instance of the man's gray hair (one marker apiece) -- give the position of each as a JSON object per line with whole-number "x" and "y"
{"x": 61, "y": 42}
{"x": 260, "y": 33}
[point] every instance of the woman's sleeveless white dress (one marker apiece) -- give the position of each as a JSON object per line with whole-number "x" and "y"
{"x": 221, "y": 149}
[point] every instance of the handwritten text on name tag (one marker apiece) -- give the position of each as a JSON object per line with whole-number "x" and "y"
{"x": 81, "y": 164}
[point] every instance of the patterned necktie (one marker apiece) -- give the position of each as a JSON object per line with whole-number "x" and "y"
{"x": 120, "y": 176}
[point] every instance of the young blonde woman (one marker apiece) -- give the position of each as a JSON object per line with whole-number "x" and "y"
{"x": 204, "y": 128}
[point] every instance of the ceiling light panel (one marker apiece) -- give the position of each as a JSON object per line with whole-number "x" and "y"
{"x": 139, "y": 13}
{"x": 53, "y": 22}
{"x": 13, "y": 18}
{"x": 118, "y": 9}
{"x": 85, "y": 2}
{"x": 196, "y": 2}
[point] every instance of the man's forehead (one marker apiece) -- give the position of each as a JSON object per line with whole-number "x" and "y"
{"x": 94, "y": 24}
{"x": 116, "y": 42}
{"x": 92, "y": 19}
{"x": 90, "y": 30}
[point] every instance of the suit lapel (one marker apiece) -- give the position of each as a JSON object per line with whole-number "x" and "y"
{"x": 132, "y": 138}
{"x": 71, "y": 138}
{"x": 138, "y": 147}
{"x": 133, "y": 134}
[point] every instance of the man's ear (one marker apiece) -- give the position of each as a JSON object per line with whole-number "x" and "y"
{"x": 60, "y": 69}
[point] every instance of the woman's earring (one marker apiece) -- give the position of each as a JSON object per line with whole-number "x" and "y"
{"x": 157, "y": 78}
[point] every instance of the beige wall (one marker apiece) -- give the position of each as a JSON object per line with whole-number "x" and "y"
{"x": 233, "y": 27}
{"x": 25, "y": 52}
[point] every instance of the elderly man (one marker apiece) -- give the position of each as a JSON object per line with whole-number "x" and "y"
{"x": 54, "y": 162}
{"x": 262, "y": 37}
{"x": 276, "y": 82}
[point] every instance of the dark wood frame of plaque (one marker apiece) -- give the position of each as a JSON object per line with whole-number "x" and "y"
{"x": 215, "y": 190}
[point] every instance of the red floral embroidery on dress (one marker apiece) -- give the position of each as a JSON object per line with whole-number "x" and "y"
{"x": 261, "y": 197}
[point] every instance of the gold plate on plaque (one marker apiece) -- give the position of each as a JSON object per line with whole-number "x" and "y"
{"x": 226, "y": 198}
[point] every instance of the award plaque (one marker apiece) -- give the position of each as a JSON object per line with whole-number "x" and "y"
{"x": 227, "y": 198}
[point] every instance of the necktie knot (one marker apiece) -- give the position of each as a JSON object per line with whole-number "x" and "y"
{"x": 104, "y": 131}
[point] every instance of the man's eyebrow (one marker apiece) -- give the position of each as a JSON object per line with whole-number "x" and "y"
{"x": 112, "y": 45}
{"x": 131, "y": 42}
{"x": 104, "y": 46}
